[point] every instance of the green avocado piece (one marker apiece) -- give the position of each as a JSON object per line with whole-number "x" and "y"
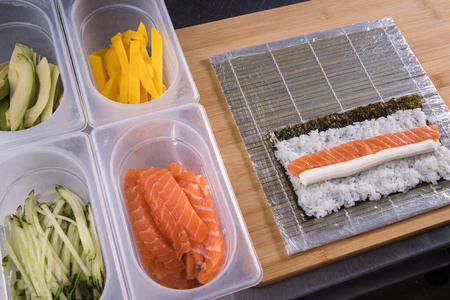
{"x": 48, "y": 110}
{"x": 45, "y": 81}
{"x": 4, "y": 68}
{"x": 4, "y": 105}
{"x": 4, "y": 88}
{"x": 21, "y": 80}
{"x": 4, "y": 82}
{"x": 12, "y": 74}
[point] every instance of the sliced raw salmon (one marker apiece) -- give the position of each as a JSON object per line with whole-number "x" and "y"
{"x": 359, "y": 148}
{"x": 159, "y": 185}
{"x": 199, "y": 196}
{"x": 194, "y": 260}
{"x": 176, "y": 230}
{"x": 168, "y": 226}
{"x": 176, "y": 169}
{"x": 144, "y": 227}
{"x": 214, "y": 245}
{"x": 146, "y": 256}
{"x": 178, "y": 281}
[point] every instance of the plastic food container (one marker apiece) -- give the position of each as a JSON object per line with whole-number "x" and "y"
{"x": 67, "y": 161}
{"x": 182, "y": 135}
{"x": 89, "y": 25}
{"x": 36, "y": 24}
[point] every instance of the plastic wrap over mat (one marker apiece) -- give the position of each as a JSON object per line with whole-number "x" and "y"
{"x": 301, "y": 78}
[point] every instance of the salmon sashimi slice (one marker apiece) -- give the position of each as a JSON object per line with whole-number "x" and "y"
{"x": 191, "y": 268}
{"x": 359, "y": 148}
{"x": 214, "y": 244}
{"x": 146, "y": 233}
{"x": 176, "y": 169}
{"x": 194, "y": 260}
{"x": 199, "y": 196}
{"x": 177, "y": 234}
{"x": 172, "y": 230}
{"x": 178, "y": 281}
{"x": 158, "y": 184}
{"x": 146, "y": 256}
{"x": 183, "y": 177}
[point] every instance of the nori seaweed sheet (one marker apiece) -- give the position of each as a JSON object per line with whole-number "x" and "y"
{"x": 339, "y": 120}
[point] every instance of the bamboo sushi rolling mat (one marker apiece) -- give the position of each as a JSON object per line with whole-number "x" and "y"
{"x": 423, "y": 26}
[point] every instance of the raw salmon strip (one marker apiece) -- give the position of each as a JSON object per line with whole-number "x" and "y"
{"x": 146, "y": 256}
{"x": 194, "y": 260}
{"x": 360, "y": 148}
{"x": 178, "y": 281}
{"x": 145, "y": 229}
{"x": 214, "y": 245}
{"x": 176, "y": 169}
{"x": 199, "y": 196}
{"x": 172, "y": 230}
{"x": 159, "y": 185}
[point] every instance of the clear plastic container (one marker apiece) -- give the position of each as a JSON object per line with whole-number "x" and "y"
{"x": 36, "y": 24}
{"x": 182, "y": 135}
{"x": 67, "y": 161}
{"x": 89, "y": 25}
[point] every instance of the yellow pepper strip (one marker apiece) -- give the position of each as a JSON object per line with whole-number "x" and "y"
{"x": 133, "y": 35}
{"x": 146, "y": 80}
{"x": 147, "y": 59}
{"x": 126, "y": 44}
{"x": 98, "y": 69}
{"x": 134, "y": 86}
{"x": 157, "y": 59}
{"x": 144, "y": 51}
{"x": 111, "y": 62}
{"x": 142, "y": 30}
{"x": 100, "y": 52}
{"x": 144, "y": 94}
{"x": 123, "y": 60}
{"x": 111, "y": 88}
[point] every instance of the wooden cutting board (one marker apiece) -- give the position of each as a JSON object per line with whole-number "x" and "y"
{"x": 424, "y": 23}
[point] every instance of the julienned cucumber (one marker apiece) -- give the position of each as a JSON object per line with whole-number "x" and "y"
{"x": 53, "y": 251}
{"x": 33, "y": 86}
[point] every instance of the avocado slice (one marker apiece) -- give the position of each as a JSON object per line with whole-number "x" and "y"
{"x": 48, "y": 110}
{"x": 4, "y": 65}
{"x": 12, "y": 74}
{"x": 21, "y": 80}
{"x": 58, "y": 97}
{"x": 45, "y": 81}
{"x": 4, "y": 88}
{"x": 4, "y": 105}
{"x": 4, "y": 82}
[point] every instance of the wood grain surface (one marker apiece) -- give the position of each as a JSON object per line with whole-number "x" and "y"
{"x": 424, "y": 24}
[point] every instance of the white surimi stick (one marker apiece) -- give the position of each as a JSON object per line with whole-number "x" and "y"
{"x": 360, "y": 164}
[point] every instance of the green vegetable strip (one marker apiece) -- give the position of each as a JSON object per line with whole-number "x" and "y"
{"x": 44, "y": 279}
{"x": 49, "y": 246}
{"x": 26, "y": 251}
{"x": 44, "y": 248}
{"x": 58, "y": 207}
{"x": 78, "y": 211}
{"x": 64, "y": 238}
{"x": 45, "y": 194}
{"x": 100, "y": 276}
{"x": 12, "y": 254}
{"x": 53, "y": 261}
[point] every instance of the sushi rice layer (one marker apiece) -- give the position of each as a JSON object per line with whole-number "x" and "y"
{"x": 325, "y": 197}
